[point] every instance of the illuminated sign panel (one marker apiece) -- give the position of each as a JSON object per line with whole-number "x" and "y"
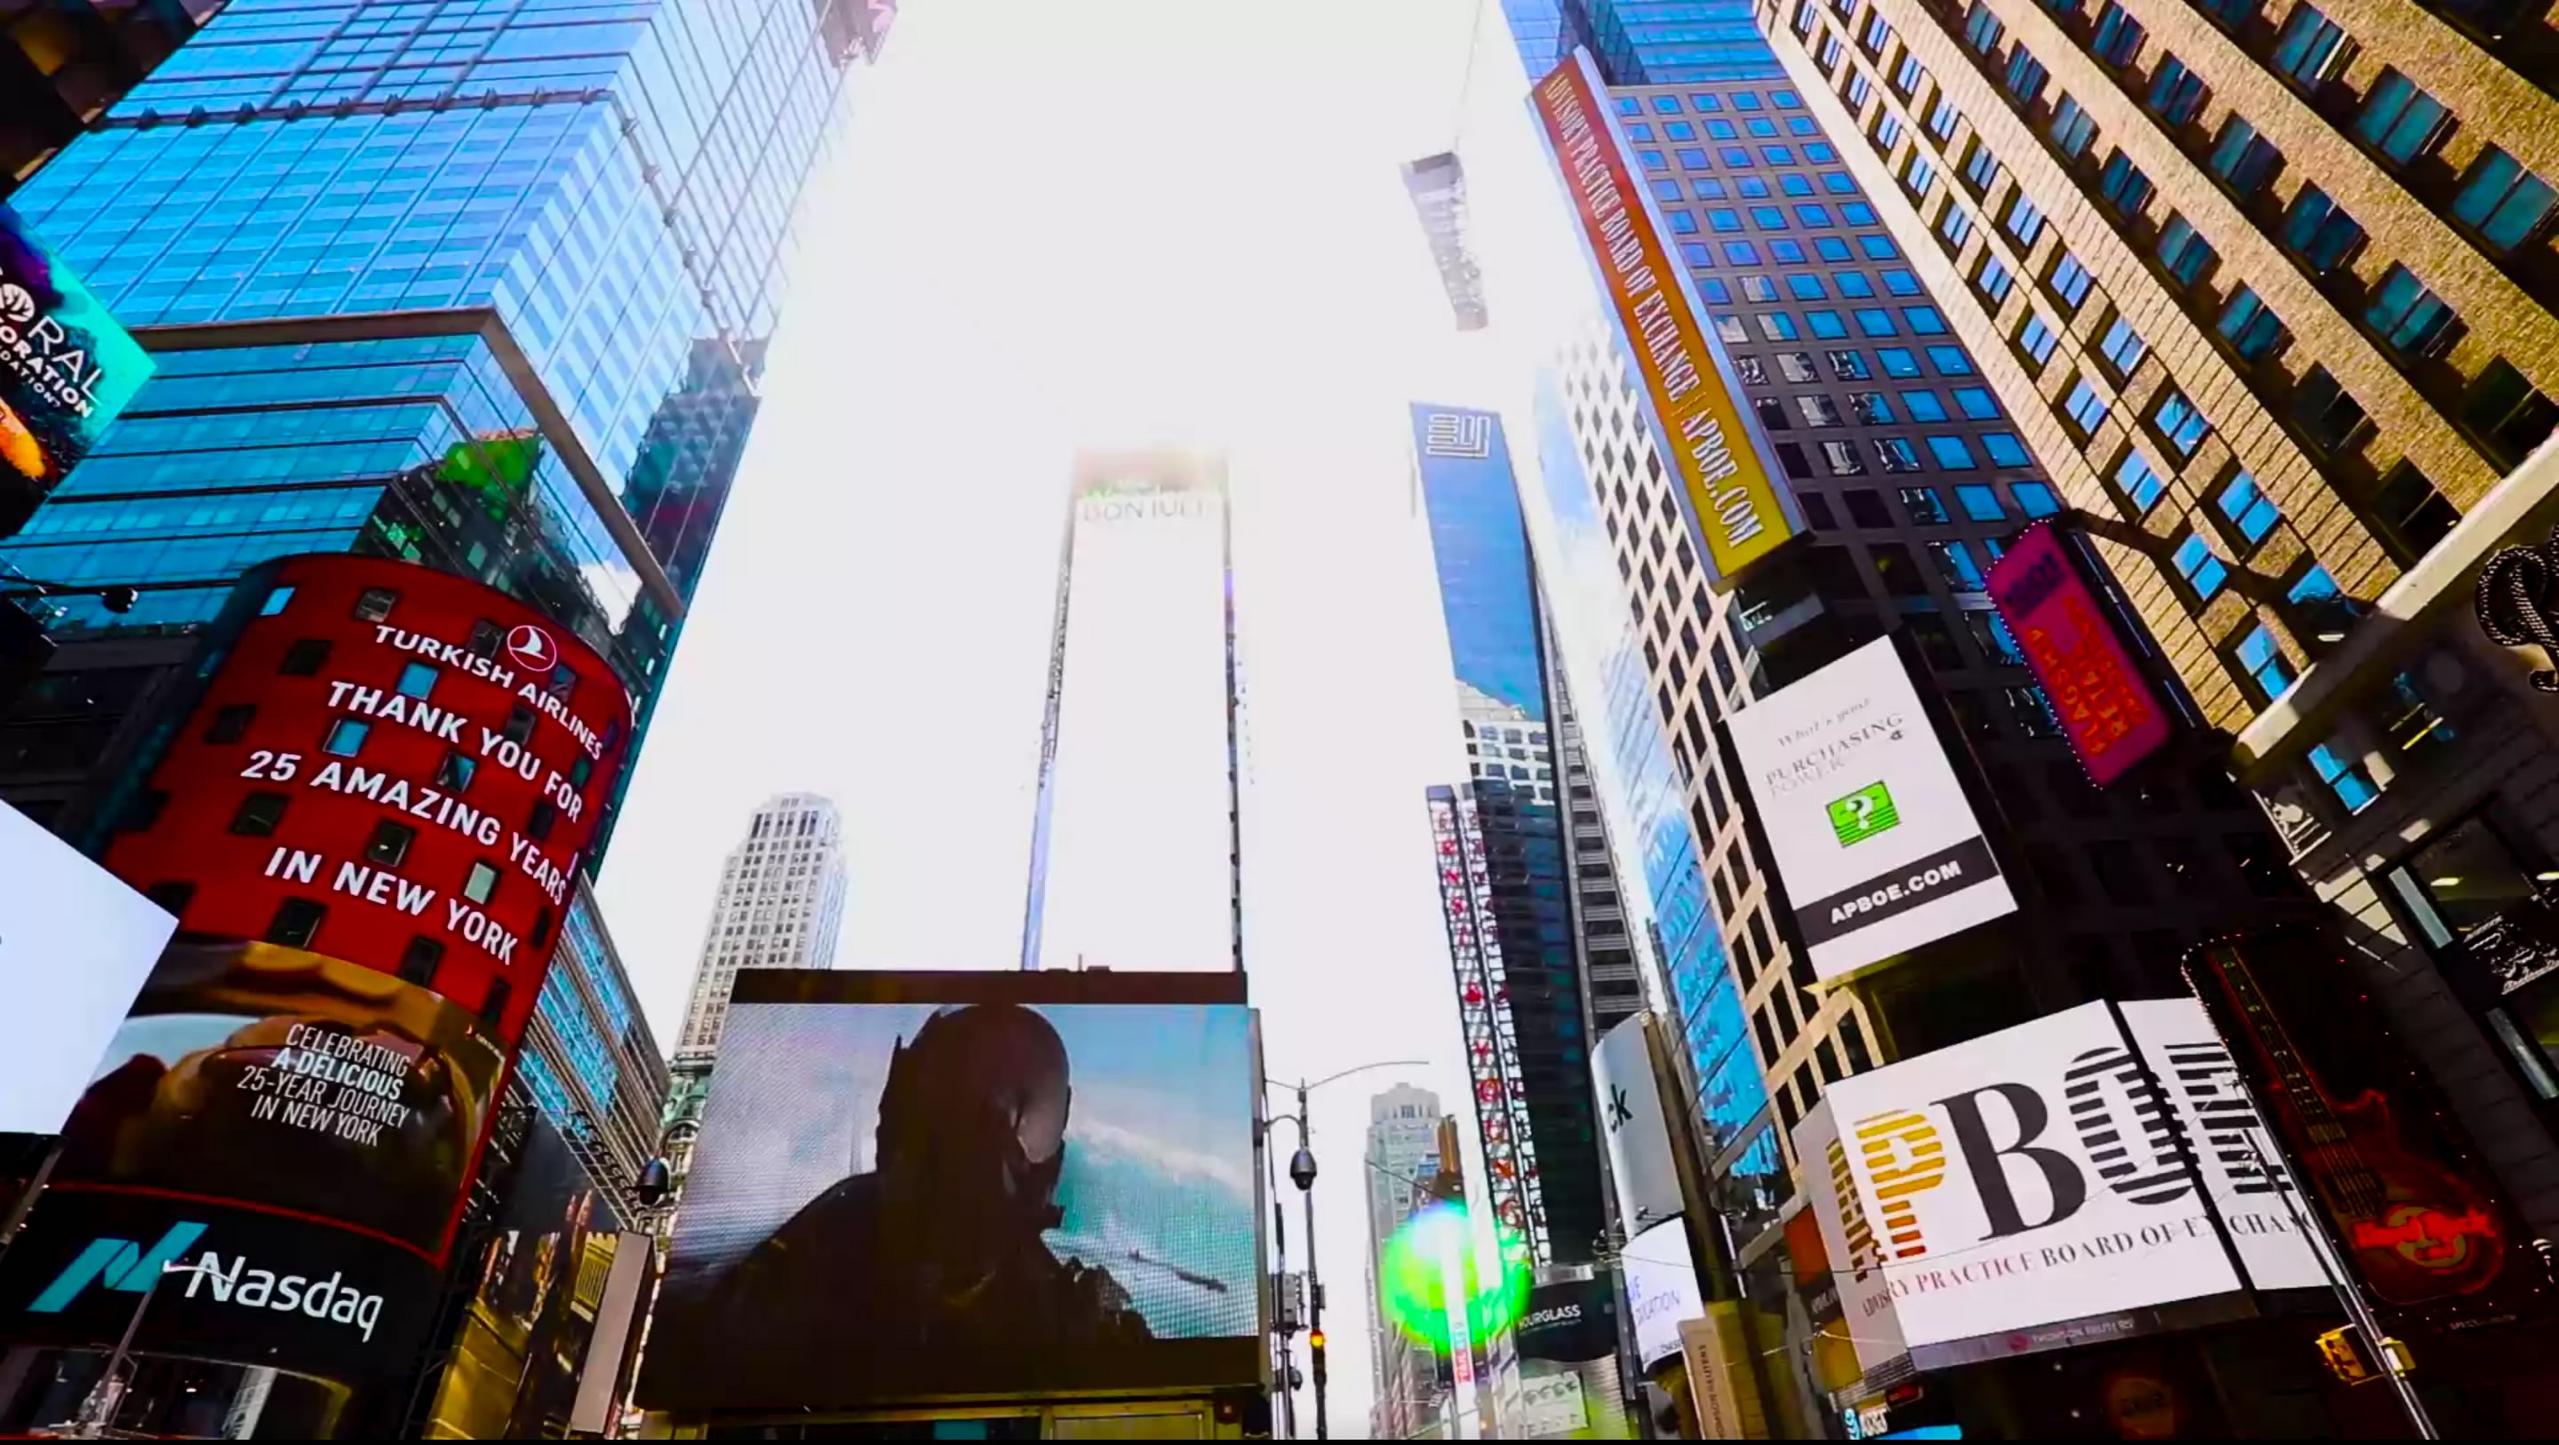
{"x": 391, "y": 766}
{"x": 916, "y": 1185}
{"x": 2038, "y": 1187}
{"x": 1743, "y": 510}
{"x": 2105, "y": 706}
{"x": 66, "y": 367}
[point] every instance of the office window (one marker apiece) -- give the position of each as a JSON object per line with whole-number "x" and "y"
{"x": 1977, "y": 403}
{"x": 345, "y": 737}
{"x": 2025, "y": 77}
{"x": 2117, "y": 38}
{"x": 2004, "y": 449}
{"x": 2411, "y": 514}
{"x": 1788, "y": 253}
{"x": 2123, "y": 185}
{"x": 1698, "y": 253}
{"x": 1818, "y": 410}
{"x": 2250, "y": 326}
{"x": 1874, "y": 321}
{"x": 2501, "y": 201}
{"x": 1943, "y": 118}
{"x": 1839, "y": 183}
{"x": 1849, "y": 365}
{"x": 1639, "y": 132}
{"x": 1896, "y": 454}
{"x": 1722, "y": 130}
{"x": 2327, "y": 413}
{"x": 1950, "y": 453}
{"x": 1898, "y": 361}
{"x": 1679, "y": 130}
{"x": 1878, "y": 248}
{"x": 1745, "y": 100}
{"x": 1796, "y": 366}
{"x": 2084, "y": 406}
{"x": 2070, "y": 280}
{"x": 2408, "y": 318}
{"x": 1785, "y": 100}
{"x": 1870, "y": 408}
{"x": 1629, "y": 105}
{"x": 1955, "y": 225}
{"x": 1827, "y": 324}
{"x": 2180, "y": 423}
{"x": 2399, "y": 119}
{"x": 1721, "y": 218}
{"x": 1950, "y": 361}
{"x": 2139, "y": 484}
{"x": 1653, "y": 160}
{"x": 2352, "y": 785}
{"x": 2035, "y": 499}
{"x": 2309, "y": 47}
{"x": 1923, "y": 320}
{"x": 1807, "y": 214}
{"x": 1853, "y": 284}
{"x": 481, "y": 881}
{"x": 1768, "y": 218}
{"x": 1981, "y": 167}
{"x": 1750, "y": 368}
{"x": 417, "y": 679}
{"x": 2321, "y": 608}
{"x": 1778, "y": 326}
{"x": 1795, "y": 185}
{"x": 1980, "y": 502}
{"x": 1956, "y": 567}
{"x": 1802, "y": 125}
{"x": 1758, "y": 288}
{"x": 2508, "y": 415}
{"x": 1707, "y": 104}
{"x": 1842, "y": 459}
{"x": 2123, "y": 347}
{"x": 2263, "y": 661}
{"x": 1909, "y": 75}
{"x": 1740, "y": 253}
{"x": 2320, "y": 232}
{"x": 2176, "y": 93}
{"x": 2025, "y": 220}
{"x": 2183, "y": 253}
{"x": 1806, "y": 287}
{"x": 1981, "y": 28}
{"x": 1860, "y": 89}
{"x": 2203, "y": 572}
{"x": 2242, "y": 158}
{"x": 1691, "y": 158}
{"x": 1902, "y": 283}
{"x": 1858, "y": 213}
{"x": 2072, "y": 127}
{"x": 1777, "y": 155}
{"x": 1666, "y": 190}
{"x": 1666, "y": 104}
{"x": 296, "y": 921}
{"x": 1732, "y": 329}
{"x": 1918, "y": 175}
{"x": 1761, "y": 128}
{"x": 258, "y": 814}
{"x": 2037, "y": 339}
{"x": 389, "y": 845}
{"x": 1715, "y": 290}
{"x": 2248, "y": 508}
{"x": 1820, "y": 153}
{"x": 1876, "y": 37}
{"x": 1831, "y": 248}
{"x": 1923, "y": 406}
{"x": 1737, "y": 157}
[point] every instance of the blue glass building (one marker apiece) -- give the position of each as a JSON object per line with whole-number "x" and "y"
{"x": 1638, "y": 42}
{"x": 1567, "y": 970}
{"x": 480, "y": 283}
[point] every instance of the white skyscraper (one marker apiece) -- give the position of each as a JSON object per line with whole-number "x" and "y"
{"x": 780, "y": 905}
{"x": 1133, "y": 842}
{"x": 1403, "y": 1157}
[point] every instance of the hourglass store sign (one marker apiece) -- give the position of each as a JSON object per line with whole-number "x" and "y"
{"x": 2053, "y": 1184}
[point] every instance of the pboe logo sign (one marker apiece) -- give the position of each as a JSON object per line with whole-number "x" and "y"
{"x": 2050, "y": 1183}
{"x": 118, "y": 1264}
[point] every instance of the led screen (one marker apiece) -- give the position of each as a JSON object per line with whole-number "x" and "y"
{"x": 905, "y": 1200}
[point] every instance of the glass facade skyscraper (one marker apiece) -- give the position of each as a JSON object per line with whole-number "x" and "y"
{"x": 1635, "y": 42}
{"x": 481, "y": 283}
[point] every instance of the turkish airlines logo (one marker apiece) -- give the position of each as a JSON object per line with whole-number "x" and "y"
{"x": 531, "y": 648}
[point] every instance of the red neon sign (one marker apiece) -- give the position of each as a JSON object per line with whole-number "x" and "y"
{"x": 2107, "y": 708}
{"x": 390, "y": 766}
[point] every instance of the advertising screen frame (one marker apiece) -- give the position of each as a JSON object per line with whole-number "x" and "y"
{"x": 94, "y": 942}
{"x": 1174, "y": 1366}
{"x": 82, "y": 351}
{"x": 2106, "y": 706}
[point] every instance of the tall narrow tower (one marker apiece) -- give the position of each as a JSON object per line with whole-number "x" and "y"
{"x": 1134, "y": 844}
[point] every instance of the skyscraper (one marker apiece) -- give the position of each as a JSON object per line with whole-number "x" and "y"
{"x": 2268, "y": 289}
{"x": 1540, "y": 902}
{"x": 780, "y": 905}
{"x": 485, "y": 290}
{"x": 1135, "y": 854}
{"x": 1403, "y": 1159}
{"x": 1669, "y": 42}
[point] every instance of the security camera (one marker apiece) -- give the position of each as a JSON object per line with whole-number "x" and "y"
{"x": 119, "y": 599}
{"x": 1301, "y": 1169}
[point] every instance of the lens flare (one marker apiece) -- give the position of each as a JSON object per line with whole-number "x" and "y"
{"x": 1430, "y": 1260}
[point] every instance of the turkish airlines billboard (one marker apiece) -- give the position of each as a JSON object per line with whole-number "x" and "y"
{"x": 2064, "y": 1181}
{"x": 391, "y": 766}
{"x": 1878, "y": 847}
{"x": 1743, "y": 510}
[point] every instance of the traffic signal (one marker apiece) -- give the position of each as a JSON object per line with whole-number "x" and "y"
{"x": 1315, "y": 1342}
{"x": 1316, "y": 1339}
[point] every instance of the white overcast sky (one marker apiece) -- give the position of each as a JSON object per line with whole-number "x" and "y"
{"x": 1116, "y": 221}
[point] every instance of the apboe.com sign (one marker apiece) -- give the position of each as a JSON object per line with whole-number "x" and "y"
{"x": 1878, "y": 848}
{"x": 2045, "y": 1185}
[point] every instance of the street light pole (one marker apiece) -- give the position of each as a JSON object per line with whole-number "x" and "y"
{"x": 1301, "y": 1172}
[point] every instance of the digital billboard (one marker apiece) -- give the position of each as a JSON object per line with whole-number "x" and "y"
{"x": 917, "y": 1186}
{"x": 1738, "y": 497}
{"x": 281, "y": 1080}
{"x": 388, "y": 765}
{"x": 2038, "y": 1187}
{"x": 1133, "y": 861}
{"x": 66, "y": 369}
{"x": 2108, "y": 710}
{"x": 75, "y": 946}
{"x": 1879, "y": 849}
{"x": 1640, "y": 1163}
{"x": 1661, "y": 1289}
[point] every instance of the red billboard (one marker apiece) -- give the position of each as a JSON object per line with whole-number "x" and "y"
{"x": 386, "y": 765}
{"x": 2110, "y": 712}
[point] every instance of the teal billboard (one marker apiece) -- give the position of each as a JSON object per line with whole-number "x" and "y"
{"x": 66, "y": 367}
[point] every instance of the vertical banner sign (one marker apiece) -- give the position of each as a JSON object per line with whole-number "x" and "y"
{"x": 66, "y": 367}
{"x": 2107, "y": 708}
{"x": 1716, "y": 1352}
{"x": 1483, "y": 1012}
{"x": 1631, "y": 1119}
{"x": 1743, "y": 511}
